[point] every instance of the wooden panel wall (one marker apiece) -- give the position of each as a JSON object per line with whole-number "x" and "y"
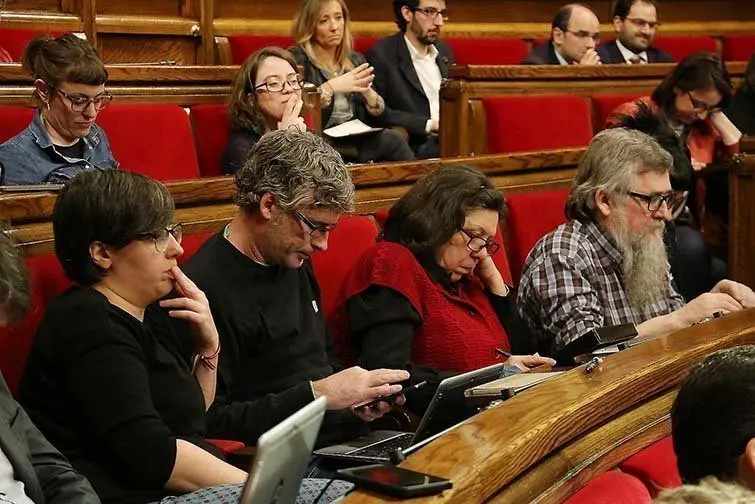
{"x": 183, "y": 30}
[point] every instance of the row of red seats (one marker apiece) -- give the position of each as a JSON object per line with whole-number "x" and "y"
{"x": 467, "y": 50}
{"x": 510, "y": 51}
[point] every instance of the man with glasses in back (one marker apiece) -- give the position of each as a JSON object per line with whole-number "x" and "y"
{"x": 409, "y": 68}
{"x": 575, "y": 33}
{"x": 635, "y": 22}
{"x": 62, "y": 139}
{"x": 608, "y": 265}
{"x": 275, "y": 347}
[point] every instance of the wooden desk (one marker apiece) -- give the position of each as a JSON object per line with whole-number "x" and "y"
{"x": 462, "y": 124}
{"x": 545, "y": 444}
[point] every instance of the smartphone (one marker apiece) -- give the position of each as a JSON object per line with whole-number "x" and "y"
{"x": 394, "y": 481}
{"x": 392, "y": 397}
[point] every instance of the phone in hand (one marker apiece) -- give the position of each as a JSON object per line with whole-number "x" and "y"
{"x": 394, "y": 481}
{"x": 391, "y": 398}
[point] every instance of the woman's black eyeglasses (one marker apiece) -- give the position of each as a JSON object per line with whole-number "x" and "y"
{"x": 476, "y": 243}
{"x": 162, "y": 237}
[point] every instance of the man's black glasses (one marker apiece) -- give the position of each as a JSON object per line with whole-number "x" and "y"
{"x": 476, "y": 243}
{"x": 433, "y": 13}
{"x": 655, "y": 201}
{"x": 315, "y": 229}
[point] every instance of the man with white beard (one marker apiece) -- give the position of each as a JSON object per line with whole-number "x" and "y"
{"x": 607, "y": 264}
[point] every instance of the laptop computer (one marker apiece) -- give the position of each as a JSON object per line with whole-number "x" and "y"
{"x": 446, "y": 409}
{"x": 282, "y": 457}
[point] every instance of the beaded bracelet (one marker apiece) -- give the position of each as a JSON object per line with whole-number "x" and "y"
{"x": 205, "y": 360}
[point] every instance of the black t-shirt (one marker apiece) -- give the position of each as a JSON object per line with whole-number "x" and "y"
{"x": 113, "y": 394}
{"x": 274, "y": 341}
{"x": 75, "y": 151}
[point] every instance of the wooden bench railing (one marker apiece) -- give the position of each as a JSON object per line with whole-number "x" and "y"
{"x": 207, "y": 204}
{"x": 546, "y": 443}
{"x": 462, "y": 127}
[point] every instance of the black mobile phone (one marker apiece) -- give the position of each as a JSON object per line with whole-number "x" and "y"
{"x": 394, "y": 481}
{"x": 594, "y": 339}
{"x": 391, "y": 397}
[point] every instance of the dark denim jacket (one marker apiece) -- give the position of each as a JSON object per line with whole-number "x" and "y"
{"x": 31, "y": 158}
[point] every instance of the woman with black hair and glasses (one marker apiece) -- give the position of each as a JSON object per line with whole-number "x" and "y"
{"x": 428, "y": 297}
{"x": 62, "y": 139}
{"x": 111, "y": 381}
{"x": 266, "y": 96}
{"x": 691, "y": 100}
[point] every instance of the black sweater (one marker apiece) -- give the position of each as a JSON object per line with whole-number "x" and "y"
{"x": 274, "y": 341}
{"x": 113, "y": 394}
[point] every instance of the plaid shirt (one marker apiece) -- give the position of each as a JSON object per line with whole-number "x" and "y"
{"x": 572, "y": 283}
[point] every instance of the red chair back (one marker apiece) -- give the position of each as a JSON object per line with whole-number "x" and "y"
{"x": 488, "y": 51}
{"x": 534, "y": 123}
{"x": 353, "y": 235}
{"x": 612, "y": 487}
{"x": 363, "y": 44}
{"x": 655, "y": 466}
{"x": 154, "y": 140}
{"x": 243, "y": 46}
{"x": 604, "y": 104}
{"x": 15, "y": 40}
{"x": 13, "y": 120}
{"x": 681, "y": 47}
{"x": 191, "y": 244}
{"x": 529, "y": 217}
{"x": 738, "y": 47}
{"x": 211, "y": 132}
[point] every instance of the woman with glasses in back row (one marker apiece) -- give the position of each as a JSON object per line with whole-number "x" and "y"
{"x": 428, "y": 297}
{"x": 62, "y": 139}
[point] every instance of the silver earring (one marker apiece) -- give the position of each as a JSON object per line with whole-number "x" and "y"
{"x": 48, "y": 105}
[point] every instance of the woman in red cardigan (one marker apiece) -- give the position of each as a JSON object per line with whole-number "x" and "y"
{"x": 428, "y": 297}
{"x": 692, "y": 98}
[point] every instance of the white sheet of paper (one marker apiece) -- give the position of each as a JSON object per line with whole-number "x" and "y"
{"x": 349, "y": 128}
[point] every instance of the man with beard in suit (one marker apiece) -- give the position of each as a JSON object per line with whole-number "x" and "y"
{"x": 635, "y": 22}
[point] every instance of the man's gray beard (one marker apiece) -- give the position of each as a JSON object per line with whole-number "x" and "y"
{"x": 644, "y": 264}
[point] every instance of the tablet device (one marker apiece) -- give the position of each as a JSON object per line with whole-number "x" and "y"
{"x": 394, "y": 481}
{"x": 282, "y": 457}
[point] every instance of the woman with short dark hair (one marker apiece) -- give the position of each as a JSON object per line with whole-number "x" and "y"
{"x": 266, "y": 96}
{"x": 62, "y": 139}
{"x": 110, "y": 380}
{"x": 428, "y": 297}
{"x": 691, "y": 99}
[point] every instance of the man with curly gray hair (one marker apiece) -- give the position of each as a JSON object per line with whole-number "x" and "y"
{"x": 265, "y": 299}
{"x": 31, "y": 469}
{"x": 608, "y": 264}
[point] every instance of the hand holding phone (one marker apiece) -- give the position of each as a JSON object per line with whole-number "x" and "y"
{"x": 390, "y": 399}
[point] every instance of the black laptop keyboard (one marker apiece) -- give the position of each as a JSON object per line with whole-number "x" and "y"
{"x": 384, "y": 448}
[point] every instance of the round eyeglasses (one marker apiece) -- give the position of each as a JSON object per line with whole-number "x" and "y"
{"x": 161, "y": 238}
{"x": 276, "y": 84}
{"x": 80, "y": 102}
{"x": 476, "y": 243}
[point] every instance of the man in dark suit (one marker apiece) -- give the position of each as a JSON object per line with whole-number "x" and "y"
{"x": 575, "y": 33}
{"x": 31, "y": 469}
{"x": 635, "y": 22}
{"x": 409, "y": 68}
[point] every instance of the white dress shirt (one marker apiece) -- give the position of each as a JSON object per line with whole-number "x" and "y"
{"x": 628, "y": 55}
{"x": 561, "y": 59}
{"x": 429, "y": 77}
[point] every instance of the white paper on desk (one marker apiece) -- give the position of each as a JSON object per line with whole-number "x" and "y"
{"x": 349, "y": 128}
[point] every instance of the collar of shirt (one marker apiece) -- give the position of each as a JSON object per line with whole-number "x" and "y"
{"x": 604, "y": 243}
{"x": 561, "y": 59}
{"x": 437, "y": 274}
{"x": 628, "y": 55}
{"x": 431, "y": 54}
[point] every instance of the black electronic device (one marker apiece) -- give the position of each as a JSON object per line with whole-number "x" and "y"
{"x": 594, "y": 339}
{"x": 394, "y": 481}
{"x": 391, "y": 397}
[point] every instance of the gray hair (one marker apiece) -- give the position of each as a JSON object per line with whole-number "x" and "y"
{"x": 613, "y": 159}
{"x": 14, "y": 281}
{"x": 708, "y": 491}
{"x": 299, "y": 168}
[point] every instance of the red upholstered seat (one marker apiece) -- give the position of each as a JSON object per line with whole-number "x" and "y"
{"x": 488, "y": 51}
{"x": 353, "y": 235}
{"x": 243, "y": 46}
{"x": 738, "y": 47}
{"x": 613, "y": 487}
{"x": 191, "y": 244}
{"x": 681, "y": 47}
{"x": 529, "y": 217}
{"x": 15, "y": 40}
{"x": 155, "y": 140}
{"x": 210, "y": 125}
{"x": 13, "y": 120}
{"x": 655, "y": 466}
{"x": 604, "y": 104}
{"x": 533, "y": 123}
{"x": 47, "y": 280}
{"x": 363, "y": 44}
